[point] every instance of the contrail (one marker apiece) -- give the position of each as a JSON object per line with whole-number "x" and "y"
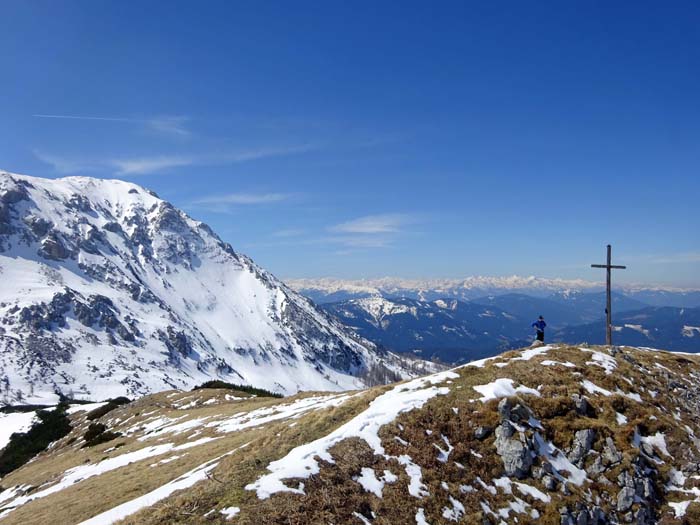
{"x": 77, "y": 117}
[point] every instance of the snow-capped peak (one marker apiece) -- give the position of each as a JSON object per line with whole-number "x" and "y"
{"x": 109, "y": 290}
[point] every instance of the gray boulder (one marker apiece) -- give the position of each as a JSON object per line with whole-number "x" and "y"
{"x": 515, "y": 454}
{"x": 583, "y": 440}
{"x": 625, "y": 499}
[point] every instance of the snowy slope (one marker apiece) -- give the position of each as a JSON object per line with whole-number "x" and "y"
{"x": 109, "y": 290}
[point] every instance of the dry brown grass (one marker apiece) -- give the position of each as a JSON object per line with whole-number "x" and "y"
{"x": 332, "y": 496}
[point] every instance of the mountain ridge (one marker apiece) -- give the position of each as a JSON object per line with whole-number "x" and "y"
{"x": 110, "y": 291}
{"x": 334, "y": 290}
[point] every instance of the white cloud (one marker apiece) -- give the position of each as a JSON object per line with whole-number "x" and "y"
{"x": 244, "y": 198}
{"x": 374, "y": 224}
{"x": 146, "y": 165}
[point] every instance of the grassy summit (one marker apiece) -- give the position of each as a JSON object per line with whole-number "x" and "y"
{"x": 552, "y": 435}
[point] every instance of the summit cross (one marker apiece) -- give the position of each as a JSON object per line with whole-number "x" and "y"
{"x": 608, "y": 305}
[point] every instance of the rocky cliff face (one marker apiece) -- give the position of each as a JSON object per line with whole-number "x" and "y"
{"x": 108, "y": 290}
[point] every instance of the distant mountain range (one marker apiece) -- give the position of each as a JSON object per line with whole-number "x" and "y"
{"x": 666, "y": 327}
{"x": 454, "y": 330}
{"x": 445, "y": 329}
{"x": 328, "y": 290}
{"x": 562, "y": 308}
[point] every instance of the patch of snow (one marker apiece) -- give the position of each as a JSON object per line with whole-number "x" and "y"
{"x": 364, "y": 520}
{"x": 83, "y": 472}
{"x": 266, "y": 415}
{"x": 420, "y": 517}
{"x": 621, "y": 418}
{"x": 532, "y": 491}
{"x": 592, "y": 388}
{"x": 185, "y": 481}
{"x": 602, "y": 360}
{"x": 528, "y": 354}
{"x": 455, "y": 513}
{"x": 14, "y": 422}
{"x": 301, "y": 462}
{"x": 658, "y": 440}
{"x": 88, "y": 407}
{"x": 559, "y": 461}
{"x": 230, "y": 512}
{"x": 416, "y": 487}
{"x": 549, "y": 362}
{"x": 370, "y": 483}
{"x": 680, "y": 508}
{"x": 444, "y": 453}
{"x": 691, "y": 331}
{"x": 502, "y": 387}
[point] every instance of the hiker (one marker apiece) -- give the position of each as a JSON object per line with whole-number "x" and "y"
{"x": 539, "y": 326}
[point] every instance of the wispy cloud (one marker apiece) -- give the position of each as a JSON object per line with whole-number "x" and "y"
{"x": 370, "y": 231}
{"x": 80, "y": 117}
{"x": 170, "y": 125}
{"x": 166, "y": 124}
{"x": 374, "y": 224}
{"x": 145, "y": 165}
{"x": 244, "y": 198}
{"x": 65, "y": 165}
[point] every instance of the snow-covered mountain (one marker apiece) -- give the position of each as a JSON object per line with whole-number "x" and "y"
{"x": 108, "y": 290}
{"x": 328, "y": 290}
{"x": 446, "y": 329}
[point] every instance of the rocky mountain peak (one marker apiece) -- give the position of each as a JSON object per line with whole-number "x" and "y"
{"x": 114, "y": 291}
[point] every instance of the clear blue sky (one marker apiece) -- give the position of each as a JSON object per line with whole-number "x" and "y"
{"x": 362, "y": 139}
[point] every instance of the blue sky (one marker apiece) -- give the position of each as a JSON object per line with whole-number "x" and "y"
{"x": 364, "y": 139}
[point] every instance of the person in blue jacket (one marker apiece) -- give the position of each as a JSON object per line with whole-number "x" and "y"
{"x": 539, "y": 325}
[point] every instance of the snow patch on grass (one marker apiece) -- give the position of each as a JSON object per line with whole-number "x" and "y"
{"x": 502, "y": 387}
{"x": 301, "y": 462}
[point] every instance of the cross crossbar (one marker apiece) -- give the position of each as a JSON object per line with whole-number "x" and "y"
{"x": 608, "y": 266}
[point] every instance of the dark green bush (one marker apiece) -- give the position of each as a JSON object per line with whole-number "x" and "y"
{"x": 105, "y": 409}
{"x": 23, "y": 446}
{"x": 97, "y": 433}
{"x": 241, "y": 388}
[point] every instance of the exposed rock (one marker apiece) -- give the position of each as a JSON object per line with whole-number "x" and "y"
{"x": 583, "y": 407}
{"x": 610, "y": 453}
{"x": 549, "y": 482}
{"x": 516, "y": 455}
{"x": 52, "y": 248}
{"x": 583, "y": 439}
{"x": 482, "y": 432}
{"x": 625, "y": 498}
{"x": 38, "y": 225}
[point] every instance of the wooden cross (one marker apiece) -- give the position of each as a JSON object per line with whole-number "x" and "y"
{"x": 608, "y": 306}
